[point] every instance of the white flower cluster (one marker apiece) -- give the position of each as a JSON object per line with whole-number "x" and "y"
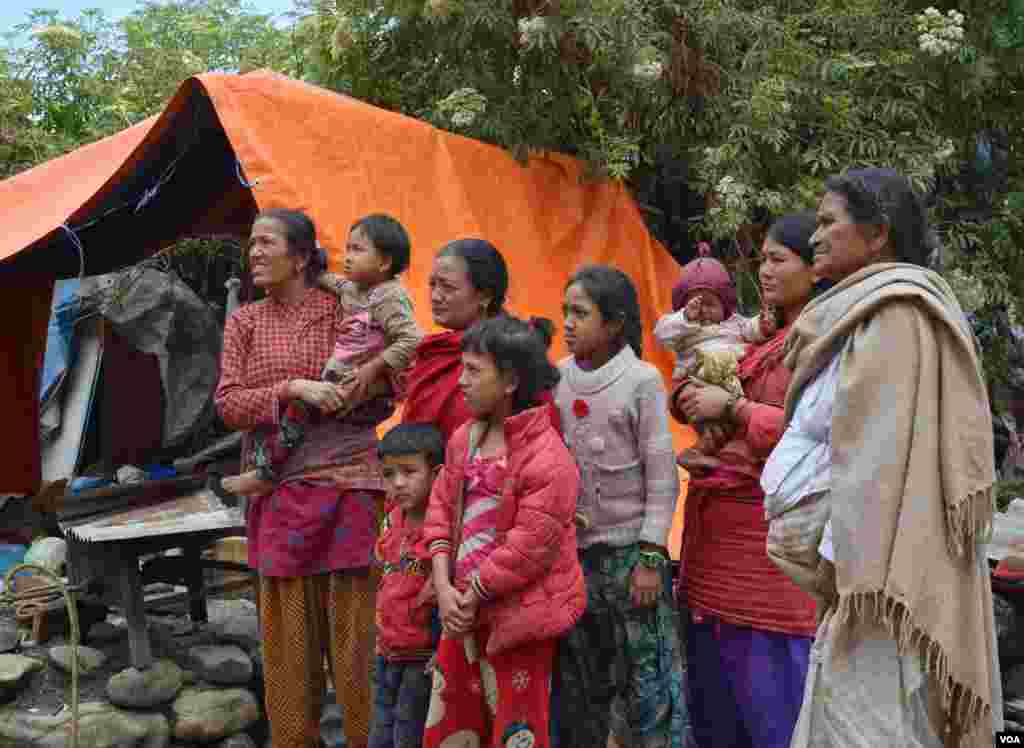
{"x": 463, "y": 106}
{"x": 732, "y": 192}
{"x": 57, "y": 32}
{"x": 648, "y": 71}
{"x": 532, "y": 29}
{"x": 939, "y": 34}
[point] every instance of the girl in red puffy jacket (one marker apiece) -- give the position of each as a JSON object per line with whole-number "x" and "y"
{"x": 499, "y": 530}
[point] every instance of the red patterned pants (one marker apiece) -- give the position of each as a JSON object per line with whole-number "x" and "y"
{"x": 479, "y": 701}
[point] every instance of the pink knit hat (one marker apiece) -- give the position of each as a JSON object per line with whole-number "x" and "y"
{"x": 705, "y": 274}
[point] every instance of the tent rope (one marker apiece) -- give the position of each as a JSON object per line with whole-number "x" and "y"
{"x": 7, "y": 598}
{"x": 150, "y": 193}
{"x": 147, "y": 196}
{"x": 77, "y": 243}
{"x": 241, "y": 177}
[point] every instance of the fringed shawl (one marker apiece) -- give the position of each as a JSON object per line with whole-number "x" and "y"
{"x": 912, "y": 475}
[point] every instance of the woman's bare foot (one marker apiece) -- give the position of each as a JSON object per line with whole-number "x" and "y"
{"x": 246, "y": 484}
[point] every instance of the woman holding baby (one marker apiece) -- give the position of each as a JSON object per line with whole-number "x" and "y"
{"x": 750, "y": 628}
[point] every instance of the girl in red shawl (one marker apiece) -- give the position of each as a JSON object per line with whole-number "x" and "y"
{"x": 468, "y": 283}
{"x": 749, "y": 636}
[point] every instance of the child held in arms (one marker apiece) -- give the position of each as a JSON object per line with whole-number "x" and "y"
{"x": 376, "y": 340}
{"x": 709, "y": 337}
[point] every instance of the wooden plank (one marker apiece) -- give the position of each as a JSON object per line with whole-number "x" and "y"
{"x": 133, "y": 605}
{"x": 186, "y": 522}
{"x": 74, "y": 508}
{"x": 195, "y": 580}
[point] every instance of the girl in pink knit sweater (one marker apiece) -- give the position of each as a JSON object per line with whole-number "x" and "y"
{"x": 620, "y": 667}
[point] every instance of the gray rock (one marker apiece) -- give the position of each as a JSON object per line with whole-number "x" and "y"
{"x": 225, "y": 665}
{"x": 242, "y": 629}
{"x": 104, "y": 632}
{"x": 171, "y": 629}
{"x": 9, "y": 636}
{"x": 100, "y": 726}
{"x": 205, "y": 716}
{"x": 141, "y": 689}
{"x": 158, "y": 588}
{"x": 14, "y": 671}
{"x": 50, "y": 553}
{"x": 241, "y": 740}
{"x": 219, "y": 612}
{"x": 89, "y": 659}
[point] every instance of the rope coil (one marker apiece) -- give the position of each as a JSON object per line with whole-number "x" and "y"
{"x": 8, "y": 598}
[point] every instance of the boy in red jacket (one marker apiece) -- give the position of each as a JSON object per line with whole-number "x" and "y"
{"x": 411, "y": 455}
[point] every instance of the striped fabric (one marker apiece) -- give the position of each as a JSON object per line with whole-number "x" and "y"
{"x": 484, "y": 479}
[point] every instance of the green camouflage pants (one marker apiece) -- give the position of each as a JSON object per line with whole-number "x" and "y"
{"x": 620, "y": 669}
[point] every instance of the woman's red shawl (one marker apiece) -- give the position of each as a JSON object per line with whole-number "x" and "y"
{"x": 432, "y": 392}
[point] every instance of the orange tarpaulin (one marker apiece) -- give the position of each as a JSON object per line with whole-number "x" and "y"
{"x": 227, "y": 145}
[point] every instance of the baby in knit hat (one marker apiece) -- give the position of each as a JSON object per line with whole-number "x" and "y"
{"x": 707, "y": 335}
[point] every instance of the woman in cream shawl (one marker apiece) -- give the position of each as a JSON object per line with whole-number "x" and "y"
{"x": 879, "y": 493}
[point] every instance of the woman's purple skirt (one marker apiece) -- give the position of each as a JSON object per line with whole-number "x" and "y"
{"x": 745, "y": 685}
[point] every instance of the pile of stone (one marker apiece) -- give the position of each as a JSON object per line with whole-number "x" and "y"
{"x": 208, "y": 693}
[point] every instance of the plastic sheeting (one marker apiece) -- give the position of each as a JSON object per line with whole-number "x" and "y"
{"x": 157, "y": 313}
{"x": 61, "y": 349}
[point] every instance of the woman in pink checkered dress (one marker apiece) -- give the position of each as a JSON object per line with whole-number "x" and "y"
{"x": 312, "y": 535}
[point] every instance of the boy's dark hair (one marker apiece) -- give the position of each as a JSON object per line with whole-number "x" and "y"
{"x": 389, "y": 237}
{"x": 300, "y": 233}
{"x": 485, "y": 266}
{"x": 413, "y": 439}
{"x": 614, "y": 294}
{"x": 520, "y": 347}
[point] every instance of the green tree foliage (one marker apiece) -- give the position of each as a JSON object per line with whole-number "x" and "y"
{"x": 763, "y": 100}
{"x": 69, "y": 81}
{"x": 758, "y": 102}
{"x": 753, "y": 103}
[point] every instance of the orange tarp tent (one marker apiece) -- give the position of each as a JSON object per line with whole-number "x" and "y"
{"x": 228, "y": 145}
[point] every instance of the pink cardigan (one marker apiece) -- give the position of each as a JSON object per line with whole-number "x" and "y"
{"x": 532, "y": 582}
